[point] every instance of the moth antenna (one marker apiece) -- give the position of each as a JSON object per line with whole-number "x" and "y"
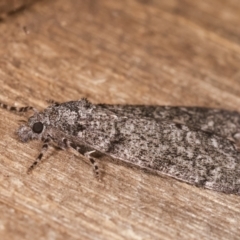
{"x": 16, "y": 109}
{"x": 51, "y": 101}
{"x": 22, "y": 121}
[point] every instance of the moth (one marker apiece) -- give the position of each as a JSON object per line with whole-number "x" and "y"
{"x": 195, "y": 145}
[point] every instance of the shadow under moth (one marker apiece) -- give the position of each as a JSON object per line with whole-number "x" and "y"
{"x": 195, "y": 145}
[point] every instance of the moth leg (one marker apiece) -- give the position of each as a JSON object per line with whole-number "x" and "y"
{"x": 39, "y": 158}
{"x": 236, "y": 140}
{"x": 16, "y": 109}
{"x": 94, "y": 163}
{"x": 86, "y": 154}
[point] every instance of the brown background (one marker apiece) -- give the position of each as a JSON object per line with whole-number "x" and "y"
{"x": 129, "y": 52}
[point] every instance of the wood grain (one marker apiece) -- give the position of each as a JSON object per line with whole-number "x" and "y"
{"x": 10, "y": 7}
{"x": 129, "y": 52}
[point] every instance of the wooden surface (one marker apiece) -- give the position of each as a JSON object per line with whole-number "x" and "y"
{"x": 10, "y": 7}
{"x": 129, "y": 52}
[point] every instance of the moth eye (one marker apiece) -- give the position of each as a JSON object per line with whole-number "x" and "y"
{"x": 37, "y": 127}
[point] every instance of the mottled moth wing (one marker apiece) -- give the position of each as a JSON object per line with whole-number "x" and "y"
{"x": 221, "y": 122}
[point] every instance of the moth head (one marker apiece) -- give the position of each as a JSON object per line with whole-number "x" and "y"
{"x": 33, "y": 129}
